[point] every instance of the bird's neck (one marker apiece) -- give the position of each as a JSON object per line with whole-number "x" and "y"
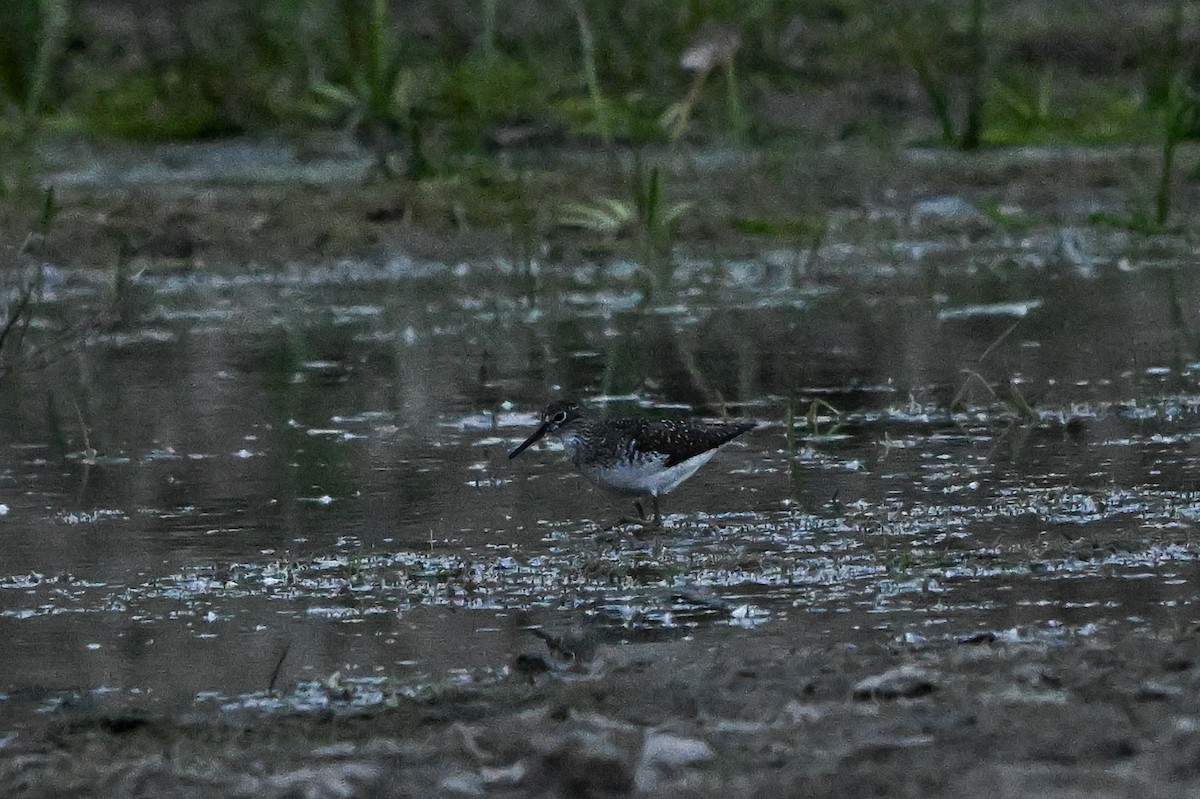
{"x": 574, "y": 439}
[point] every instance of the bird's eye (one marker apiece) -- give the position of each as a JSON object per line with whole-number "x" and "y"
{"x": 559, "y": 417}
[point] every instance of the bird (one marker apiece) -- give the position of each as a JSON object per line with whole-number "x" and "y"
{"x": 643, "y": 458}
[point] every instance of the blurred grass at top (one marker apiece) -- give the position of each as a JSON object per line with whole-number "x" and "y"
{"x": 421, "y": 82}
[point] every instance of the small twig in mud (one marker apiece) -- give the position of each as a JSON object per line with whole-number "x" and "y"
{"x": 688, "y": 358}
{"x": 813, "y": 416}
{"x": 1011, "y": 396}
{"x": 469, "y": 739}
{"x": 16, "y": 313}
{"x": 971, "y": 375}
{"x": 997, "y": 342}
{"x": 88, "y": 452}
{"x": 287, "y": 647}
{"x": 1006, "y": 392}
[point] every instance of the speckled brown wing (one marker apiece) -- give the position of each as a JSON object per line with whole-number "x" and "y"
{"x": 681, "y": 440}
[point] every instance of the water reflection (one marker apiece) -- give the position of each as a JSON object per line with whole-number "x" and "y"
{"x": 315, "y": 463}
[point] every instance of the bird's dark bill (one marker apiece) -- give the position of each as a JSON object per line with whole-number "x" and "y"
{"x": 541, "y": 431}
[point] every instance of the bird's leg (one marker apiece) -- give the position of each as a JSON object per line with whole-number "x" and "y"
{"x": 626, "y": 521}
{"x": 641, "y": 520}
{"x": 657, "y": 520}
{"x": 646, "y": 526}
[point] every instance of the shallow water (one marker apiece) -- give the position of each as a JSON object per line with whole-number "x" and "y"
{"x": 309, "y": 470}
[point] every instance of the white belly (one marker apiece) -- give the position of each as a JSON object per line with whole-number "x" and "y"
{"x": 647, "y": 476}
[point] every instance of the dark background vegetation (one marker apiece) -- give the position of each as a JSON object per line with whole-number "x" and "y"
{"x": 439, "y": 96}
{"x": 427, "y": 83}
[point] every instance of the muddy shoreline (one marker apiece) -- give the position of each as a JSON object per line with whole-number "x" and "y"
{"x": 738, "y": 202}
{"x": 1079, "y": 713}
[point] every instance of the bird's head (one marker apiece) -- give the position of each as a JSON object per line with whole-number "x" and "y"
{"x": 558, "y": 417}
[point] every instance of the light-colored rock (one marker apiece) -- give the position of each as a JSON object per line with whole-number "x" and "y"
{"x": 898, "y": 683}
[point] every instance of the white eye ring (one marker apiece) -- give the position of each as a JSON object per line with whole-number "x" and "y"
{"x": 560, "y": 417}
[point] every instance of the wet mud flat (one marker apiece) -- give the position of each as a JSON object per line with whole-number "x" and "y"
{"x": 760, "y": 714}
{"x": 286, "y": 555}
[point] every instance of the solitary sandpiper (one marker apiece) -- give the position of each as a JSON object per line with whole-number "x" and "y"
{"x": 644, "y": 458}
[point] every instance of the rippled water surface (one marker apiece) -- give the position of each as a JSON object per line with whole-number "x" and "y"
{"x": 300, "y": 480}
